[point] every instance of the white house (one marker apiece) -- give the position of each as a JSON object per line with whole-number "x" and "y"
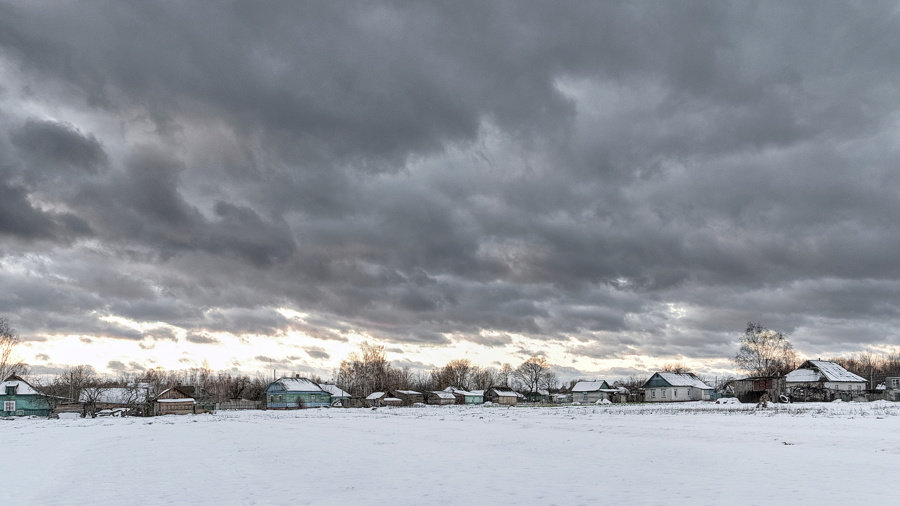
{"x": 676, "y": 387}
{"x": 591, "y": 391}
{"x": 821, "y": 380}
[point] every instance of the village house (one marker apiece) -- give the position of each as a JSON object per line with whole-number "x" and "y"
{"x": 676, "y": 387}
{"x": 296, "y": 393}
{"x": 892, "y": 388}
{"x": 501, "y": 395}
{"x": 408, "y": 397}
{"x": 821, "y": 380}
{"x": 465, "y": 396}
{"x": 589, "y": 392}
{"x": 19, "y": 398}
{"x": 440, "y": 398}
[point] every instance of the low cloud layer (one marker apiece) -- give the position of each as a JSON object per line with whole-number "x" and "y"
{"x": 625, "y": 180}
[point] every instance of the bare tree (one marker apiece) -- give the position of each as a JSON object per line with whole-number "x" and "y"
{"x": 73, "y": 380}
{"x": 533, "y": 373}
{"x": 504, "y": 375}
{"x": 676, "y": 367}
{"x": 764, "y": 352}
{"x": 9, "y": 362}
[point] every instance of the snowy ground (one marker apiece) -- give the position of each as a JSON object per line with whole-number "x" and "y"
{"x": 691, "y": 453}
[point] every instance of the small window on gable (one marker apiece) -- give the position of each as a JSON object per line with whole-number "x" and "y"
{"x": 10, "y": 390}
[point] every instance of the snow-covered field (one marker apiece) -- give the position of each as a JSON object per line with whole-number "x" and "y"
{"x": 691, "y": 453}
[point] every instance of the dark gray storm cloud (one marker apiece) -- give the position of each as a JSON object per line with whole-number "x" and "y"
{"x": 626, "y": 179}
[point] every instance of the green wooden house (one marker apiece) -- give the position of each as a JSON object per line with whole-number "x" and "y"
{"x": 294, "y": 393}
{"x": 19, "y": 398}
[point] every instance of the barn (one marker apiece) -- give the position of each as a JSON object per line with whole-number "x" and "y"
{"x": 821, "y": 380}
{"x": 408, "y": 397}
{"x": 749, "y": 390}
{"x": 174, "y": 401}
{"x": 501, "y": 395}
{"x": 440, "y": 398}
{"x": 465, "y": 396}
{"x": 296, "y": 393}
{"x": 19, "y": 398}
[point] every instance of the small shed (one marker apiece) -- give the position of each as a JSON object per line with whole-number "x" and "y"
{"x": 501, "y": 395}
{"x": 408, "y": 397}
{"x": 749, "y": 390}
{"x": 20, "y": 398}
{"x": 440, "y": 398}
{"x": 174, "y": 401}
{"x": 891, "y": 388}
{"x": 589, "y": 392}
{"x": 336, "y": 393}
{"x": 296, "y": 393}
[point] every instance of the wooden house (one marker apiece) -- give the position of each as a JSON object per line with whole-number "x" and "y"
{"x": 589, "y": 392}
{"x": 440, "y": 398}
{"x": 821, "y": 380}
{"x": 676, "y": 387}
{"x": 501, "y": 395}
{"x": 296, "y": 393}
{"x": 20, "y": 398}
{"x": 466, "y": 396}
{"x": 174, "y": 401}
{"x": 408, "y": 397}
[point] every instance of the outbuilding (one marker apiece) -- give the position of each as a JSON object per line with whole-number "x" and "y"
{"x": 589, "y": 392}
{"x": 440, "y": 398}
{"x": 466, "y": 396}
{"x": 501, "y": 395}
{"x": 408, "y": 397}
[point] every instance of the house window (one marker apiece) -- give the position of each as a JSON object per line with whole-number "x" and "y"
{"x": 11, "y": 390}
{"x": 676, "y": 393}
{"x": 895, "y": 382}
{"x": 663, "y": 393}
{"x": 653, "y": 393}
{"x": 9, "y": 405}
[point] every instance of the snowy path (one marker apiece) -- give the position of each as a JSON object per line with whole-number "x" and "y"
{"x": 684, "y": 454}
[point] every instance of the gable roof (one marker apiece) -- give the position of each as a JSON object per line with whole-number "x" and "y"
{"x": 441, "y": 394}
{"x": 685, "y": 379}
{"x": 374, "y": 396}
{"x": 590, "y": 386}
{"x": 22, "y": 387}
{"x": 298, "y": 385}
{"x": 334, "y": 390}
{"x": 821, "y": 370}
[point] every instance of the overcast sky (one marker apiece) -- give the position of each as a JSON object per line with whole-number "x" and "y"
{"x": 615, "y": 185}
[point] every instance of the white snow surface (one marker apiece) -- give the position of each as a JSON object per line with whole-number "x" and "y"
{"x": 299, "y": 385}
{"x": 334, "y": 390}
{"x": 748, "y": 456}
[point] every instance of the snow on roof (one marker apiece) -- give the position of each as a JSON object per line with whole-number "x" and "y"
{"x": 477, "y": 392}
{"x": 589, "y": 386}
{"x": 299, "y": 385}
{"x": 184, "y": 399}
{"x": 334, "y": 390}
{"x": 683, "y": 380}
{"x": 814, "y": 370}
{"x": 444, "y": 395}
{"x": 408, "y": 392}
{"x": 114, "y": 395}
{"x": 505, "y": 393}
{"x": 22, "y": 386}
{"x": 393, "y": 399}
{"x": 374, "y": 395}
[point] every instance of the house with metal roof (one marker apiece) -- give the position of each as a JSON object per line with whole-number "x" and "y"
{"x": 589, "y": 392}
{"x": 20, "y": 398}
{"x": 676, "y": 387}
{"x": 822, "y": 380}
{"x": 296, "y": 393}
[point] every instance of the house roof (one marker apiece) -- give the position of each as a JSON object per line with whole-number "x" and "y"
{"x": 444, "y": 395}
{"x": 408, "y": 392}
{"x": 334, "y": 390}
{"x": 683, "y": 380}
{"x": 374, "y": 395}
{"x": 299, "y": 385}
{"x": 590, "y": 386}
{"x": 184, "y": 400}
{"x": 821, "y": 370}
{"x": 460, "y": 391}
{"x": 22, "y": 386}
